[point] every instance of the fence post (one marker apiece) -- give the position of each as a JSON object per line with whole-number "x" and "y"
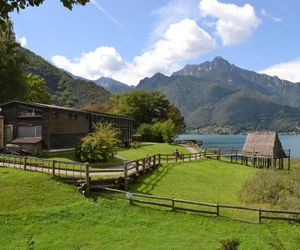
{"x": 173, "y": 204}
{"x": 159, "y": 160}
{"x": 219, "y": 153}
{"x": 53, "y": 167}
{"x": 87, "y": 178}
{"x": 189, "y": 157}
{"x": 125, "y": 176}
{"x": 259, "y": 215}
{"x": 144, "y": 165}
{"x": 218, "y": 209}
{"x": 25, "y": 159}
{"x": 154, "y": 161}
{"x": 289, "y": 160}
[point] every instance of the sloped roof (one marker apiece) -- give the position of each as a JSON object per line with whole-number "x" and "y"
{"x": 264, "y": 144}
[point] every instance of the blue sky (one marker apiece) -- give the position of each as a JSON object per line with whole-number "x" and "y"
{"x": 132, "y": 39}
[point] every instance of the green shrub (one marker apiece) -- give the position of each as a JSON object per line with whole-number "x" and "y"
{"x": 230, "y": 244}
{"x": 273, "y": 187}
{"x": 99, "y": 145}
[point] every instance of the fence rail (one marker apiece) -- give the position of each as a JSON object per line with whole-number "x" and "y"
{"x": 174, "y": 204}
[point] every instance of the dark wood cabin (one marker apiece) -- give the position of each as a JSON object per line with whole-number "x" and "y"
{"x": 265, "y": 150}
{"x": 57, "y": 127}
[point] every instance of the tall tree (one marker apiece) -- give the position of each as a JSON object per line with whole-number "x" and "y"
{"x": 12, "y": 81}
{"x": 37, "y": 89}
{"x": 7, "y": 6}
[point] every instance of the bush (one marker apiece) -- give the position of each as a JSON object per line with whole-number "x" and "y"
{"x": 230, "y": 244}
{"x": 159, "y": 132}
{"x": 99, "y": 145}
{"x": 273, "y": 187}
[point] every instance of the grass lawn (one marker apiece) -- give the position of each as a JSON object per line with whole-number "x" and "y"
{"x": 151, "y": 148}
{"x": 39, "y": 212}
{"x": 204, "y": 180}
{"x": 24, "y": 190}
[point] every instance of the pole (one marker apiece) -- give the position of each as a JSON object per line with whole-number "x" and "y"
{"x": 87, "y": 178}
{"x": 125, "y": 176}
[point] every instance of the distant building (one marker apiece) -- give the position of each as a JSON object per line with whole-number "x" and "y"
{"x": 265, "y": 149}
{"x": 53, "y": 127}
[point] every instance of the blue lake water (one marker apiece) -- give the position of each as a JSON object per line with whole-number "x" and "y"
{"x": 291, "y": 142}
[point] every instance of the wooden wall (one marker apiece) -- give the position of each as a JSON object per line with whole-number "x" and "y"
{"x": 1, "y": 132}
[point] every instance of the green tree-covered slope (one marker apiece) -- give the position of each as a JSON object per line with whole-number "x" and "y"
{"x": 64, "y": 90}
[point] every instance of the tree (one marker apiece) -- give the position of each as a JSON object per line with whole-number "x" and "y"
{"x": 7, "y": 6}
{"x": 100, "y": 145}
{"x": 147, "y": 107}
{"x": 37, "y": 90}
{"x": 12, "y": 80}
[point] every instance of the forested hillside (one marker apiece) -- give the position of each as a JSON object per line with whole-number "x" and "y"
{"x": 64, "y": 90}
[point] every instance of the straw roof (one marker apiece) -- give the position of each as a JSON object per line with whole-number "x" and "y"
{"x": 263, "y": 144}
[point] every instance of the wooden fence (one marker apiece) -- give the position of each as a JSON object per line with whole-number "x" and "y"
{"x": 206, "y": 208}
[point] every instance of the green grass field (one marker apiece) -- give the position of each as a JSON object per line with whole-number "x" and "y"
{"x": 151, "y": 148}
{"x": 38, "y": 212}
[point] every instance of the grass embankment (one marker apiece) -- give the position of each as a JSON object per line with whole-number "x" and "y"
{"x": 151, "y": 148}
{"x": 28, "y": 191}
{"x": 67, "y": 220}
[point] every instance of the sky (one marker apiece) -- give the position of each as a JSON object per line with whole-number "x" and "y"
{"x": 129, "y": 40}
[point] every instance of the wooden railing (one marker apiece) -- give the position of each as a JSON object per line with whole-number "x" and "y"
{"x": 207, "y": 208}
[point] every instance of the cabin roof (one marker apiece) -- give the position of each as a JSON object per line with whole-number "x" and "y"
{"x": 49, "y": 106}
{"x": 264, "y": 144}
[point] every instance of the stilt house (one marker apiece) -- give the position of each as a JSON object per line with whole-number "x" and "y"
{"x": 265, "y": 150}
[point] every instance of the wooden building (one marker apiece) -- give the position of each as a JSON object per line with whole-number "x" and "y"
{"x": 264, "y": 149}
{"x": 57, "y": 127}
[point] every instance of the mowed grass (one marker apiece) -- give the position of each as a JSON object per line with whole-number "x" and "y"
{"x": 27, "y": 191}
{"x": 204, "y": 180}
{"x": 67, "y": 220}
{"x": 151, "y": 148}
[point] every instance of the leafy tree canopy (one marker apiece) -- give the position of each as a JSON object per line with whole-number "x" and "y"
{"x": 37, "y": 87}
{"x": 12, "y": 80}
{"x": 7, "y": 6}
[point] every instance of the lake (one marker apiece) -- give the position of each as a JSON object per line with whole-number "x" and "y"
{"x": 237, "y": 141}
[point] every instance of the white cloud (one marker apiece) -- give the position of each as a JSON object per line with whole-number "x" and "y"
{"x": 23, "y": 41}
{"x": 92, "y": 65}
{"x": 182, "y": 41}
{"x": 174, "y": 11}
{"x": 268, "y": 15}
{"x": 287, "y": 70}
{"x": 234, "y": 24}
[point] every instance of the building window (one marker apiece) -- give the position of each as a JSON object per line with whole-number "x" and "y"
{"x": 55, "y": 115}
{"x": 72, "y": 116}
{"x": 30, "y": 131}
{"x": 29, "y": 112}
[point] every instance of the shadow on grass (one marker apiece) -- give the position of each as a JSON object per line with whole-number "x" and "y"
{"x": 146, "y": 184}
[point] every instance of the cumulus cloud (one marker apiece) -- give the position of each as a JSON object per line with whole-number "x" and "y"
{"x": 268, "y": 15}
{"x": 182, "y": 41}
{"x": 174, "y": 11}
{"x": 92, "y": 65}
{"x": 287, "y": 70}
{"x": 23, "y": 41}
{"x": 234, "y": 24}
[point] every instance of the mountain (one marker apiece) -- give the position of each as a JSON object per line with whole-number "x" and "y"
{"x": 64, "y": 89}
{"x": 218, "y": 96}
{"x": 112, "y": 85}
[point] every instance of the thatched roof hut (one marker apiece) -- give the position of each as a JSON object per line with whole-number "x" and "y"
{"x": 263, "y": 144}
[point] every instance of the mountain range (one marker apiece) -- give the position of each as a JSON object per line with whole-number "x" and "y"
{"x": 218, "y": 96}
{"x": 214, "y": 96}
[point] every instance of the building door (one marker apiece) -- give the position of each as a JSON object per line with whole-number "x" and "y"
{"x": 8, "y": 133}
{"x": 1, "y": 132}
